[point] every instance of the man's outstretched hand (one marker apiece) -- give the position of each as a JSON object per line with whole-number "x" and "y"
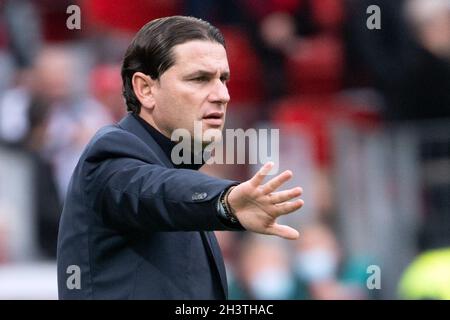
{"x": 258, "y": 206}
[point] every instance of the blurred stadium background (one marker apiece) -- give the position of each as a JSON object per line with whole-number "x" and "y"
{"x": 364, "y": 119}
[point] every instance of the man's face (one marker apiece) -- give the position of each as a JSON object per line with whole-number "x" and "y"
{"x": 193, "y": 89}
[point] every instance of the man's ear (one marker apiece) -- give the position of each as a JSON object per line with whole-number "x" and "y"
{"x": 143, "y": 87}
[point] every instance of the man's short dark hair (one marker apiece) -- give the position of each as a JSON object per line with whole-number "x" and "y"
{"x": 150, "y": 52}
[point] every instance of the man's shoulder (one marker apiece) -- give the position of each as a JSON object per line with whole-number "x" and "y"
{"x": 114, "y": 141}
{"x": 108, "y": 132}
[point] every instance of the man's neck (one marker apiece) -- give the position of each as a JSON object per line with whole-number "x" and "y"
{"x": 149, "y": 119}
{"x": 167, "y": 145}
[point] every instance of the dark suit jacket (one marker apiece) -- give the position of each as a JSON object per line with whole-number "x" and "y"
{"x": 136, "y": 227}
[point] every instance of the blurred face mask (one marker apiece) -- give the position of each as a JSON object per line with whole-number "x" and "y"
{"x": 272, "y": 284}
{"x": 315, "y": 265}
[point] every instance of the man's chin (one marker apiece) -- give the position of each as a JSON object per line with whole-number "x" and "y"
{"x": 211, "y": 135}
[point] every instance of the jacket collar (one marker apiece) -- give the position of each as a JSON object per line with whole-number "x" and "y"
{"x": 132, "y": 125}
{"x": 145, "y": 132}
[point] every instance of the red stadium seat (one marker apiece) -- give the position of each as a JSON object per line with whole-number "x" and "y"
{"x": 128, "y": 15}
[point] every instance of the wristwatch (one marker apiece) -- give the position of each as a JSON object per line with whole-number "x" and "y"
{"x": 224, "y": 209}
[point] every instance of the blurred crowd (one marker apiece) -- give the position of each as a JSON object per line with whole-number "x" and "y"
{"x": 364, "y": 118}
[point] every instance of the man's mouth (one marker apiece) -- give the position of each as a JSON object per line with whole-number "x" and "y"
{"x": 214, "y": 118}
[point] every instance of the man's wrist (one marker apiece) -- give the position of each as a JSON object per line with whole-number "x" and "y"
{"x": 227, "y": 205}
{"x": 225, "y": 211}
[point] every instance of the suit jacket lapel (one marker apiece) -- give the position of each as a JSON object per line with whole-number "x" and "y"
{"x": 214, "y": 251}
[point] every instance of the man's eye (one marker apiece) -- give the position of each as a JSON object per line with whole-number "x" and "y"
{"x": 200, "y": 79}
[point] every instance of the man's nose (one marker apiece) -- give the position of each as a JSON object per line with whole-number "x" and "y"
{"x": 219, "y": 93}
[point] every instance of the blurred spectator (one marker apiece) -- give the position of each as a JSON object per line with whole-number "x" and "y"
{"x": 72, "y": 119}
{"x": 263, "y": 272}
{"x": 406, "y": 56}
{"x": 47, "y": 204}
{"x": 430, "y": 21}
{"x": 323, "y": 270}
{"x": 46, "y": 82}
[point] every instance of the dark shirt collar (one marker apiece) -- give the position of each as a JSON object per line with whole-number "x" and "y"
{"x": 166, "y": 145}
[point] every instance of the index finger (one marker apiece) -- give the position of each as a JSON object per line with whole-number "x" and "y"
{"x": 276, "y": 182}
{"x": 258, "y": 178}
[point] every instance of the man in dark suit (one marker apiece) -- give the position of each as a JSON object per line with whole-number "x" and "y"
{"x": 135, "y": 225}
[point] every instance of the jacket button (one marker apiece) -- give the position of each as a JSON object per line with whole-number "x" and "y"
{"x": 199, "y": 196}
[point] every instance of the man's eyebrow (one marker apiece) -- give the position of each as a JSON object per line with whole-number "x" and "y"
{"x": 225, "y": 74}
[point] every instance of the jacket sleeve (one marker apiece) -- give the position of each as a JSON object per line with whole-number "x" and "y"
{"x": 130, "y": 193}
